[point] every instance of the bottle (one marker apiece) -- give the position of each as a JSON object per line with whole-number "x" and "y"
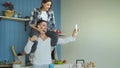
{"x": 20, "y": 14}
{"x": 16, "y": 15}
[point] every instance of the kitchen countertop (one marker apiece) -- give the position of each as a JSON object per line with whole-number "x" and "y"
{"x": 55, "y": 66}
{"x": 27, "y": 67}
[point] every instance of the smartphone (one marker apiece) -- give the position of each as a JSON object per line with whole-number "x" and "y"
{"x": 76, "y": 27}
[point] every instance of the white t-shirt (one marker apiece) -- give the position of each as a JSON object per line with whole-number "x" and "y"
{"x": 42, "y": 54}
{"x": 43, "y": 15}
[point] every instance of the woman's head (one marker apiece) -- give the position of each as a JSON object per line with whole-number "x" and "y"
{"x": 46, "y": 4}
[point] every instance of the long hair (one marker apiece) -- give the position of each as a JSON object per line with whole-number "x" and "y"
{"x": 45, "y": 1}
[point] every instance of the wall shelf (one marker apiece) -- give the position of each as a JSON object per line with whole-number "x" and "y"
{"x": 16, "y": 19}
{"x": 13, "y": 18}
{"x": 6, "y": 66}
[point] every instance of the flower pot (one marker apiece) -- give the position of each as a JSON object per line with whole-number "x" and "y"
{"x": 9, "y": 13}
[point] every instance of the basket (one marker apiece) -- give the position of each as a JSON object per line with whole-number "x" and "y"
{"x": 9, "y": 13}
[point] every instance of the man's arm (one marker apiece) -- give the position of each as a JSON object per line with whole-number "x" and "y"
{"x": 65, "y": 40}
{"x": 28, "y": 47}
{"x": 29, "y": 44}
{"x": 68, "y": 39}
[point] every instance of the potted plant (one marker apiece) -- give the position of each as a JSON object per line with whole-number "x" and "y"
{"x": 9, "y": 9}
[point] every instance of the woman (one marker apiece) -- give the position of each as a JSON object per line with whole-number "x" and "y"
{"x": 42, "y": 55}
{"x": 43, "y": 13}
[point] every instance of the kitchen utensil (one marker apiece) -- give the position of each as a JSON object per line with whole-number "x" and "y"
{"x": 16, "y": 66}
{"x": 78, "y": 65}
{"x": 22, "y": 59}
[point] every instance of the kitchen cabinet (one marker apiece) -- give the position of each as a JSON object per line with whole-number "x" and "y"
{"x": 13, "y": 32}
{"x": 16, "y": 19}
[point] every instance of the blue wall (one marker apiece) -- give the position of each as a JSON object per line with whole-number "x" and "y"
{"x": 13, "y": 32}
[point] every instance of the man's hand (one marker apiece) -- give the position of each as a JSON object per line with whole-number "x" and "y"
{"x": 33, "y": 38}
{"x": 74, "y": 34}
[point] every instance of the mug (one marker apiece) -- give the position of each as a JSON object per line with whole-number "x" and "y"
{"x": 51, "y": 66}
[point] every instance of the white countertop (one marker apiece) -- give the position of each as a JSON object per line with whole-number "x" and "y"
{"x": 55, "y": 66}
{"x": 27, "y": 67}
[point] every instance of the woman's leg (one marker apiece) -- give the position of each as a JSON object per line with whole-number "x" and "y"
{"x": 34, "y": 33}
{"x": 53, "y": 54}
{"x": 54, "y": 37}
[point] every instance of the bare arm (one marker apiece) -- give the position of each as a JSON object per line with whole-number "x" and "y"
{"x": 34, "y": 27}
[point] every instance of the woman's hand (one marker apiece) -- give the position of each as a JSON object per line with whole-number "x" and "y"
{"x": 38, "y": 28}
{"x": 54, "y": 30}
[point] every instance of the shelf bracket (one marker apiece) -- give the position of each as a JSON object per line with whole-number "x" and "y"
{"x": 0, "y": 18}
{"x": 25, "y": 25}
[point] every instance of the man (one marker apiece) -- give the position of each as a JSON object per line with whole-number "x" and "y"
{"x": 42, "y": 56}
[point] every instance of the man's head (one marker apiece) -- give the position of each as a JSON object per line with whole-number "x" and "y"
{"x": 42, "y": 25}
